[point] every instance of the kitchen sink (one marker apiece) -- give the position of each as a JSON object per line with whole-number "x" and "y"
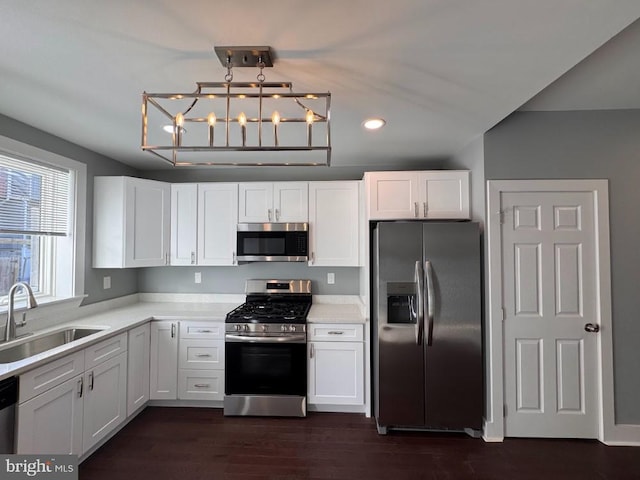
{"x": 43, "y": 343}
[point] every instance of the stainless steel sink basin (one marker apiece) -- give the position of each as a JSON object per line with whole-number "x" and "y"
{"x": 43, "y": 343}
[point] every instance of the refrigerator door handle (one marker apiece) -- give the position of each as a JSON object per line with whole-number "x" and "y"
{"x": 420, "y": 293}
{"x": 431, "y": 301}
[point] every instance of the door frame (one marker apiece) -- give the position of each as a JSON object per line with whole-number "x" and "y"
{"x": 494, "y": 340}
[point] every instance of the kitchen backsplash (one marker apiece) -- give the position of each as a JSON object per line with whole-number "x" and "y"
{"x": 232, "y": 279}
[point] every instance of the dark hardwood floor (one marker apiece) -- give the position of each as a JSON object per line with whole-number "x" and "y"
{"x": 193, "y": 443}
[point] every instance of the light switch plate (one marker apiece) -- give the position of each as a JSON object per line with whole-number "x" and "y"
{"x": 331, "y": 278}
{"x": 198, "y": 277}
{"x": 106, "y": 282}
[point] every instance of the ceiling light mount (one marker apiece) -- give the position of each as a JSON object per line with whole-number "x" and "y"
{"x": 254, "y": 117}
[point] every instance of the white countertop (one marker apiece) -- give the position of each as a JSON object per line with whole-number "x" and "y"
{"x": 123, "y": 318}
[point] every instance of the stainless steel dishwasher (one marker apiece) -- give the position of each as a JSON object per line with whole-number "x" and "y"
{"x": 8, "y": 398}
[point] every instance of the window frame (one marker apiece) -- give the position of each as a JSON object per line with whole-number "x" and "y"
{"x": 66, "y": 273}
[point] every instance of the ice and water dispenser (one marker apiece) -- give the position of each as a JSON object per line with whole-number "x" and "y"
{"x": 402, "y": 302}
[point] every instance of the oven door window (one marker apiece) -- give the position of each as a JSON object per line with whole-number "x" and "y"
{"x": 265, "y": 369}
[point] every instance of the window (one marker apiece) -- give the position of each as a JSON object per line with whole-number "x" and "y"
{"x": 41, "y": 237}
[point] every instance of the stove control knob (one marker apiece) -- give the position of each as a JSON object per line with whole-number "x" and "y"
{"x": 283, "y": 328}
{"x": 238, "y": 327}
{"x": 245, "y": 327}
{"x": 292, "y": 328}
{"x": 264, "y": 328}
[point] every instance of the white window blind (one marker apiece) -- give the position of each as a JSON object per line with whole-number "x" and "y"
{"x": 34, "y": 198}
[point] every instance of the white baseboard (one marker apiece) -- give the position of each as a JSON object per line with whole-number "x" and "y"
{"x": 492, "y": 432}
{"x": 623, "y": 435}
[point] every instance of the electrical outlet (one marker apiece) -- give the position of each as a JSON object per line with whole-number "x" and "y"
{"x": 106, "y": 282}
{"x": 331, "y": 278}
{"x": 198, "y": 277}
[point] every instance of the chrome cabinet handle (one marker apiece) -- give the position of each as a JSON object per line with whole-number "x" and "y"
{"x": 424, "y": 208}
{"x": 415, "y": 209}
{"x": 201, "y": 385}
{"x": 592, "y": 328}
{"x": 202, "y": 330}
{"x": 234, "y": 260}
{"x": 313, "y": 258}
{"x": 193, "y": 258}
{"x": 80, "y": 387}
{"x": 311, "y": 351}
{"x": 203, "y": 355}
{"x": 269, "y": 214}
{"x": 335, "y": 332}
{"x": 173, "y": 330}
{"x": 91, "y": 381}
{"x": 277, "y": 214}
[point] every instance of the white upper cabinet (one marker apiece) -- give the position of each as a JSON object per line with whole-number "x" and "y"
{"x": 217, "y": 223}
{"x": 273, "y": 202}
{"x": 131, "y": 222}
{"x": 184, "y": 219}
{"x": 334, "y": 223}
{"x": 418, "y": 194}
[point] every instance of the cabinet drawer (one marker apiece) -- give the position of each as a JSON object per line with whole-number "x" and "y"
{"x": 335, "y": 332}
{"x": 201, "y": 384}
{"x": 109, "y": 348}
{"x": 202, "y": 330}
{"x": 50, "y": 375}
{"x": 201, "y": 354}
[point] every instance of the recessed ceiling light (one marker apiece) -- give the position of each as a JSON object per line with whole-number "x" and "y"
{"x": 373, "y": 123}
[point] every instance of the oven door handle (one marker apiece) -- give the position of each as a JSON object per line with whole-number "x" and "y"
{"x": 301, "y": 338}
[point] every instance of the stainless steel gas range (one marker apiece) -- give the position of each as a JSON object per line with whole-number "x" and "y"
{"x": 266, "y": 350}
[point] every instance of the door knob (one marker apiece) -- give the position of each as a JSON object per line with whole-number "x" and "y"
{"x": 591, "y": 328}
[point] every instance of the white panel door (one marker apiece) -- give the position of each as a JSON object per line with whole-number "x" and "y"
{"x": 184, "y": 219}
{"x": 163, "y": 381}
{"x": 549, "y": 282}
{"x": 393, "y": 195}
{"x": 52, "y": 421}
{"x": 291, "y": 202}
{"x": 105, "y": 402}
{"x": 334, "y": 224}
{"x": 255, "y": 202}
{"x": 138, "y": 367}
{"x": 217, "y": 223}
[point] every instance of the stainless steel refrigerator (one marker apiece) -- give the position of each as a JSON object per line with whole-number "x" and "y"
{"x": 427, "y": 326}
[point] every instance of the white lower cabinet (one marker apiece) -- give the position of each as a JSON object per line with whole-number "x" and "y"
{"x": 78, "y": 408}
{"x": 336, "y": 364}
{"x": 201, "y": 361}
{"x": 163, "y": 382}
{"x": 138, "y": 367}
{"x": 105, "y": 401}
{"x": 52, "y": 421}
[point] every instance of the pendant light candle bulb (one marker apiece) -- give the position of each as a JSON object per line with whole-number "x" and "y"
{"x": 211, "y": 120}
{"x": 275, "y": 119}
{"x": 242, "y": 120}
{"x": 309, "y": 119}
{"x": 180, "y": 120}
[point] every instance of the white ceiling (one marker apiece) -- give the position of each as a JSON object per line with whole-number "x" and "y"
{"x": 440, "y": 71}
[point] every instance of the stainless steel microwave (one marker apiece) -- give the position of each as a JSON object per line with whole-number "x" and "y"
{"x": 273, "y": 242}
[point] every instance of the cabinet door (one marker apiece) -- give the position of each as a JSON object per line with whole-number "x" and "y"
{"x": 138, "y": 367}
{"x": 164, "y": 361}
{"x": 334, "y": 224}
{"x": 147, "y": 222}
{"x": 336, "y": 373}
{"x": 444, "y": 194}
{"x": 52, "y": 421}
{"x": 184, "y": 221}
{"x": 217, "y": 223}
{"x": 255, "y": 202}
{"x": 291, "y": 202}
{"x": 105, "y": 402}
{"x": 392, "y": 195}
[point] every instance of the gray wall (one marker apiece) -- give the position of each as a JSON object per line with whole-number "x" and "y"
{"x": 123, "y": 282}
{"x": 232, "y": 279}
{"x": 589, "y": 144}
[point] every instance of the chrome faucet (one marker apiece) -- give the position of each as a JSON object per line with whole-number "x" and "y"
{"x": 10, "y": 331}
